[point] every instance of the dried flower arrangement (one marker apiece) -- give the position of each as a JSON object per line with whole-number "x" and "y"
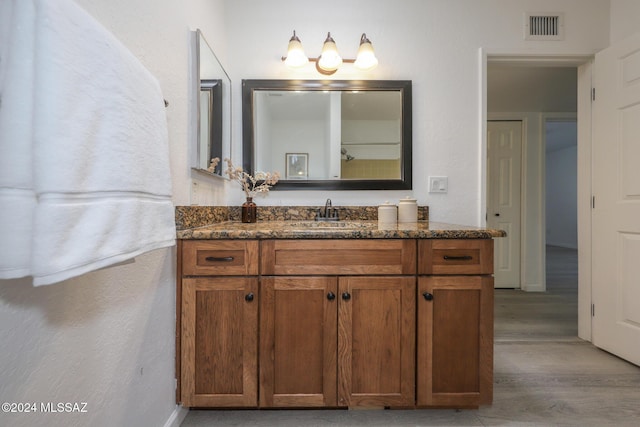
{"x": 251, "y": 185}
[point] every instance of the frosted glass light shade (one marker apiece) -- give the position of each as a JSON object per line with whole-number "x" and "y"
{"x": 329, "y": 59}
{"x": 366, "y": 59}
{"x": 296, "y": 57}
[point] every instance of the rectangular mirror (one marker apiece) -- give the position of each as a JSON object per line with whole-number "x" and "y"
{"x": 342, "y": 135}
{"x": 213, "y": 106}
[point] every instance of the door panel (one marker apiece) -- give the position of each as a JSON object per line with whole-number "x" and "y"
{"x": 376, "y": 341}
{"x": 298, "y": 344}
{"x": 219, "y": 342}
{"x": 616, "y": 189}
{"x": 504, "y": 142}
{"x": 455, "y": 341}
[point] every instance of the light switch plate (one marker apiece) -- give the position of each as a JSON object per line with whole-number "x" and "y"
{"x": 438, "y": 184}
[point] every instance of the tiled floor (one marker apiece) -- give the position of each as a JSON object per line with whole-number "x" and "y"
{"x": 544, "y": 374}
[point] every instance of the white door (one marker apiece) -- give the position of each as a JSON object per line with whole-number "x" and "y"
{"x": 504, "y": 159}
{"x": 616, "y": 190}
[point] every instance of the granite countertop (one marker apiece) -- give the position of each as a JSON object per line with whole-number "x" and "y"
{"x": 351, "y": 229}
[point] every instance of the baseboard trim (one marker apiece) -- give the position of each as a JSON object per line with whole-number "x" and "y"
{"x": 177, "y": 416}
{"x": 534, "y": 287}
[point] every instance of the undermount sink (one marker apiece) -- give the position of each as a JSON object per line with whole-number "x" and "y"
{"x": 331, "y": 225}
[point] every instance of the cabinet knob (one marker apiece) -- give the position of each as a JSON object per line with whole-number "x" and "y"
{"x": 428, "y": 296}
{"x": 346, "y": 296}
{"x": 331, "y": 296}
{"x": 248, "y": 297}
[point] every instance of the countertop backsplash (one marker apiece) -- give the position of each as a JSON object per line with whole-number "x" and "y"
{"x": 200, "y": 216}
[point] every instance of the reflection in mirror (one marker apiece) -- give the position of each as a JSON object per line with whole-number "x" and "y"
{"x": 351, "y": 135}
{"x": 210, "y": 119}
{"x": 213, "y": 85}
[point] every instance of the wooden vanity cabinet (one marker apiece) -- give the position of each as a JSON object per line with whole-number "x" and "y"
{"x": 219, "y": 323}
{"x": 337, "y": 323}
{"x": 455, "y": 323}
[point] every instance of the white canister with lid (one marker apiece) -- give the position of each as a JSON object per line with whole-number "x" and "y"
{"x": 387, "y": 213}
{"x": 408, "y": 210}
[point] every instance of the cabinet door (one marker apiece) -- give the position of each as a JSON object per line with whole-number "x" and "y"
{"x": 455, "y": 341}
{"x": 298, "y": 347}
{"x": 219, "y": 341}
{"x": 376, "y": 341}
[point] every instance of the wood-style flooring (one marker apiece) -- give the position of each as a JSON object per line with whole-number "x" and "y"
{"x": 544, "y": 374}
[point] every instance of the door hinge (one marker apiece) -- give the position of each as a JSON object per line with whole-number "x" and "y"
{"x": 593, "y": 93}
{"x": 593, "y": 202}
{"x": 593, "y": 310}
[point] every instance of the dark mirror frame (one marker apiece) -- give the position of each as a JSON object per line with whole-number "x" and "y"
{"x": 214, "y": 87}
{"x": 248, "y": 140}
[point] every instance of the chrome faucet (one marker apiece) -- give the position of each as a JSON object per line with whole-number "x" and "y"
{"x": 330, "y": 213}
{"x": 327, "y": 208}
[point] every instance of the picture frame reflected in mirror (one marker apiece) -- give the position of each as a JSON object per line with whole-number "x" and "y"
{"x": 297, "y": 166}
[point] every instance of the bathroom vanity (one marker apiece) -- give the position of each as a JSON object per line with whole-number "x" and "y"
{"x": 283, "y": 314}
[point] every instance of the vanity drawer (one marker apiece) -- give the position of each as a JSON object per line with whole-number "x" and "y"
{"x": 339, "y": 257}
{"x": 220, "y": 257}
{"x": 456, "y": 256}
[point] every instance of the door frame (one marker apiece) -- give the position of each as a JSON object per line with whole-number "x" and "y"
{"x": 584, "y": 65}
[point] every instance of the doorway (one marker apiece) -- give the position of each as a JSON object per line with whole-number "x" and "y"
{"x": 534, "y": 93}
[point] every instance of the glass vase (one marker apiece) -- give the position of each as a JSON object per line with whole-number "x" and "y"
{"x": 249, "y": 211}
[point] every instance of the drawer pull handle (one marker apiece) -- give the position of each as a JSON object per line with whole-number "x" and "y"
{"x": 219, "y": 259}
{"x": 458, "y": 258}
{"x": 331, "y": 296}
{"x": 346, "y": 296}
{"x": 428, "y": 296}
{"x": 249, "y": 297}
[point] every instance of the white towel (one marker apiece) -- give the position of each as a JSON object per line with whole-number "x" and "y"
{"x": 99, "y": 150}
{"x": 17, "y": 197}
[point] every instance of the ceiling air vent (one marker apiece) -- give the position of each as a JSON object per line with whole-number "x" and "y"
{"x": 544, "y": 26}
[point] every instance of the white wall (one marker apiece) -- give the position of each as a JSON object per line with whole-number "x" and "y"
{"x": 107, "y": 338}
{"x": 434, "y": 43}
{"x": 625, "y": 19}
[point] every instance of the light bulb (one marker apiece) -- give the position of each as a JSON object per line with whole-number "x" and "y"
{"x": 296, "y": 57}
{"x": 366, "y": 59}
{"x": 329, "y": 59}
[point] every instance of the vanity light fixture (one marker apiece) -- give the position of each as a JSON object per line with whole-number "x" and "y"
{"x": 329, "y": 60}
